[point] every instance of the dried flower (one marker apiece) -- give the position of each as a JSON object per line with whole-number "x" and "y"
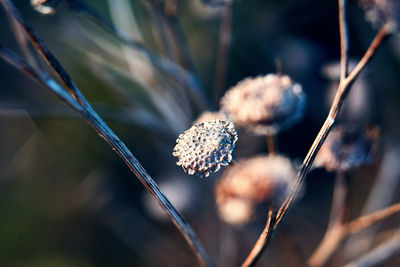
{"x": 380, "y": 12}
{"x": 348, "y": 147}
{"x": 261, "y": 179}
{"x": 265, "y": 105}
{"x": 210, "y": 115}
{"x": 45, "y": 7}
{"x": 205, "y": 147}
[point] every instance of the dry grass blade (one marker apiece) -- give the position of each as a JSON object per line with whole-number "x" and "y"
{"x": 76, "y": 100}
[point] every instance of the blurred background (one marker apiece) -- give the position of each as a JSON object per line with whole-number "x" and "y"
{"x": 66, "y": 199}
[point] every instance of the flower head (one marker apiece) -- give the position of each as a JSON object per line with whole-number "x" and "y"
{"x": 348, "y": 147}
{"x": 261, "y": 179}
{"x": 265, "y": 105}
{"x": 205, "y": 147}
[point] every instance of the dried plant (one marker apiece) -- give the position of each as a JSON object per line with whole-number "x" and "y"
{"x": 263, "y": 105}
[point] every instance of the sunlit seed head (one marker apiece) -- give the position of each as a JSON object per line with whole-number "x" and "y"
{"x": 265, "y": 104}
{"x": 205, "y": 147}
{"x": 348, "y": 147}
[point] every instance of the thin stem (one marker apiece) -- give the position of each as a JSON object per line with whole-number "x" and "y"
{"x": 372, "y": 218}
{"x": 262, "y": 241}
{"x": 344, "y": 39}
{"x": 78, "y": 102}
{"x": 225, "y": 33}
{"x": 271, "y": 144}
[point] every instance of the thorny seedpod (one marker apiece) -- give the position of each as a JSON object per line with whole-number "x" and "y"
{"x": 211, "y": 115}
{"x": 380, "y": 12}
{"x": 348, "y": 147}
{"x": 45, "y": 7}
{"x": 205, "y": 147}
{"x": 261, "y": 179}
{"x": 265, "y": 104}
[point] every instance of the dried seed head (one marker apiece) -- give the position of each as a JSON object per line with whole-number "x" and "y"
{"x": 261, "y": 179}
{"x": 45, "y": 7}
{"x": 265, "y": 105}
{"x": 205, "y": 147}
{"x": 210, "y": 115}
{"x": 380, "y": 12}
{"x": 348, "y": 147}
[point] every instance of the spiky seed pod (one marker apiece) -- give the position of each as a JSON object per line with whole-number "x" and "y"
{"x": 211, "y": 115}
{"x": 261, "y": 179}
{"x": 380, "y": 12}
{"x": 265, "y": 104}
{"x": 45, "y": 7}
{"x": 205, "y": 147}
{"x": 348, "y": 147}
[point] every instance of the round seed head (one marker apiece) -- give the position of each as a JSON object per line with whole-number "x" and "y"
{"x": 205, "y": 147}
{"x": 265, "y": 105}
{"x": 211, "y": 115}
{"x": 380, "y": 12}
{"x": 261, "y": 179}
{"x": 45, "y": 7}
{"x": 348, "y": 147}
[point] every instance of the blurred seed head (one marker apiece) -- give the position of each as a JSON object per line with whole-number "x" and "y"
{"x": 45, "y": 7}
{"x": 265, "y": 104}
{"x": 209, "y": 116}
{"x": 205, "y": 147}
{"x": 380, "y": 12}
{"x": 348, "y": 147}
{"x": 261, "y": 179}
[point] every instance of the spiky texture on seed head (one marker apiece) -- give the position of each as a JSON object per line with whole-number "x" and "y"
{"x": 265, "y": 104}
{"x": 348, "y": 147}
{"x": 205, "y": 147}
{"x": 261, "y": 179}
